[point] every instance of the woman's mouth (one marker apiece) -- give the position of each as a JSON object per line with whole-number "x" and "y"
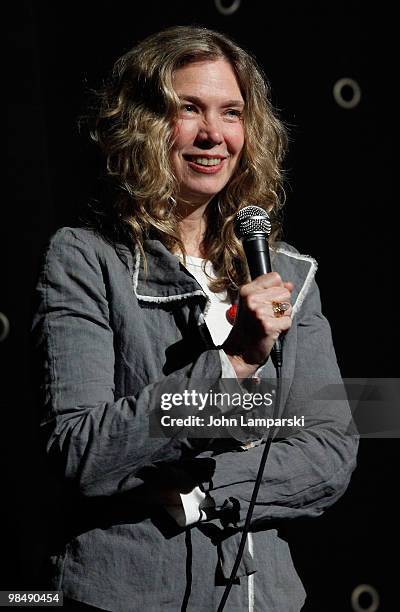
{"x": 206, "y": 165}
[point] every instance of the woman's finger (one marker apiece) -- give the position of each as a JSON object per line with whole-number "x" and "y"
{"x": 265, "y": 281}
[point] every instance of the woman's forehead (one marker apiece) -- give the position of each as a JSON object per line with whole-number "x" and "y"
{"x": 207, "y": 77}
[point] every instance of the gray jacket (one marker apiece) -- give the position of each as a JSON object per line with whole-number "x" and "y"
{"x": 109, "y": 336}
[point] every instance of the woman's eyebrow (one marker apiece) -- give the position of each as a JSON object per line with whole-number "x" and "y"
{"x": 200, "y": 102}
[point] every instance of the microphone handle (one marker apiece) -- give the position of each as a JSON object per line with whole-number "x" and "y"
{"x": 256, "y": 249}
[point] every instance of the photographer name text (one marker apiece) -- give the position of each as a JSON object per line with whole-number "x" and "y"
{"x": 232, "y": 421}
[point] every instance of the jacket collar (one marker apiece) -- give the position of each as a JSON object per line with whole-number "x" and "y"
{"x": 166, "y": 279}
{"x": 299, "y": 269}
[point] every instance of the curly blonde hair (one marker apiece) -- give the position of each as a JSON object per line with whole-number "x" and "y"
{"x": 134, "y": 127}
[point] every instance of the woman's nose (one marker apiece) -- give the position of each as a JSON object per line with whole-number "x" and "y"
{"x": 209, "y": 133}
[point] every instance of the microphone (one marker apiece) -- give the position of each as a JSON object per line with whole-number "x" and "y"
{"x": 253, "y": 227}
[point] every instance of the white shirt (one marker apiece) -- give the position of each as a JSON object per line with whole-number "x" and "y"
{"x": 215, "y": 315}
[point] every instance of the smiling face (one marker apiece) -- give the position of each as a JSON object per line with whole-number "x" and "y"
{"x": 209, "y": 134}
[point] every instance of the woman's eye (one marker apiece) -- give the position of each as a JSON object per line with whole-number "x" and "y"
{"x": 188, "y": 108}
{"x": 233, "y": 113}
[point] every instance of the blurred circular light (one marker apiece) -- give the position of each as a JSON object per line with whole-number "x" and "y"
{"x": 227, "y": 8}
{"x": 345, "y": 86}
{"x": 4, "y": 327}
{"x": 372, "y": 597}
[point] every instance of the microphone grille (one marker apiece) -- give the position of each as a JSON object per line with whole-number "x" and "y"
{"x": 251, "y": 220}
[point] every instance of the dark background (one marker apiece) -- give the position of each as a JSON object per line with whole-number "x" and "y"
{"x": 340, "y": 209}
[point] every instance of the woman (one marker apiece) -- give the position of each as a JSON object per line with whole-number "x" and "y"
{"x": 190, "y": 138}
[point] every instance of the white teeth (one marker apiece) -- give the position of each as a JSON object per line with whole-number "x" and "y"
{"x": 207, "y": 161}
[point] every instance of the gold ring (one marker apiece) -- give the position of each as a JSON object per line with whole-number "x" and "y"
{"x": 280, "y": 308}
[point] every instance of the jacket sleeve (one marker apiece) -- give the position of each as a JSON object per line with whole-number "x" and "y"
{"x": 95, "y": 443}
{"x": 309, "y": 470}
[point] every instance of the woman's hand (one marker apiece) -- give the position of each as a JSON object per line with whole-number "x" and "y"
{"x": 257, "y": 326}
